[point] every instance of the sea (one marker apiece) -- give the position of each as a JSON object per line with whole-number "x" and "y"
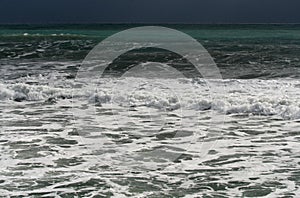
{"x": 134, "y": 136}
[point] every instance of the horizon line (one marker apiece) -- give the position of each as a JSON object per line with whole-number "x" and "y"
{"x": 144, "y": 23}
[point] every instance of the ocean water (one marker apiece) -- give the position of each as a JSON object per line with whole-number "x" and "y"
{"x": 144, "y": 139}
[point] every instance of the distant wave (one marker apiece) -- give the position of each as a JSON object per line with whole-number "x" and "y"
{"x": 31, "y": 35}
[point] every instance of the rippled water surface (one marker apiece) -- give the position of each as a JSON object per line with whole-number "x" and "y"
{"x": 143, "y": 138}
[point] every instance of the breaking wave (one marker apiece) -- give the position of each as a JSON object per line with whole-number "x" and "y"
{"x": 248, "y": 97}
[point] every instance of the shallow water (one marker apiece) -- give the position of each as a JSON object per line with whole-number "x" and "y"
{"x": 149, "y": 137}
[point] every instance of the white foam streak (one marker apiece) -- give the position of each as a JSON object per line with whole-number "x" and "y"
{"x": 250, "y": 97}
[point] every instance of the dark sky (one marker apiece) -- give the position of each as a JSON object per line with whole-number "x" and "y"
{"x": 149, "y": 11}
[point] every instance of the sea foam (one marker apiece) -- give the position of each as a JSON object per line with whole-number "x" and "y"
{"x": 252, "y": 97}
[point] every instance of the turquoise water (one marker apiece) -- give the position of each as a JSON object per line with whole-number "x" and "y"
{"x": 241, "y": 51}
